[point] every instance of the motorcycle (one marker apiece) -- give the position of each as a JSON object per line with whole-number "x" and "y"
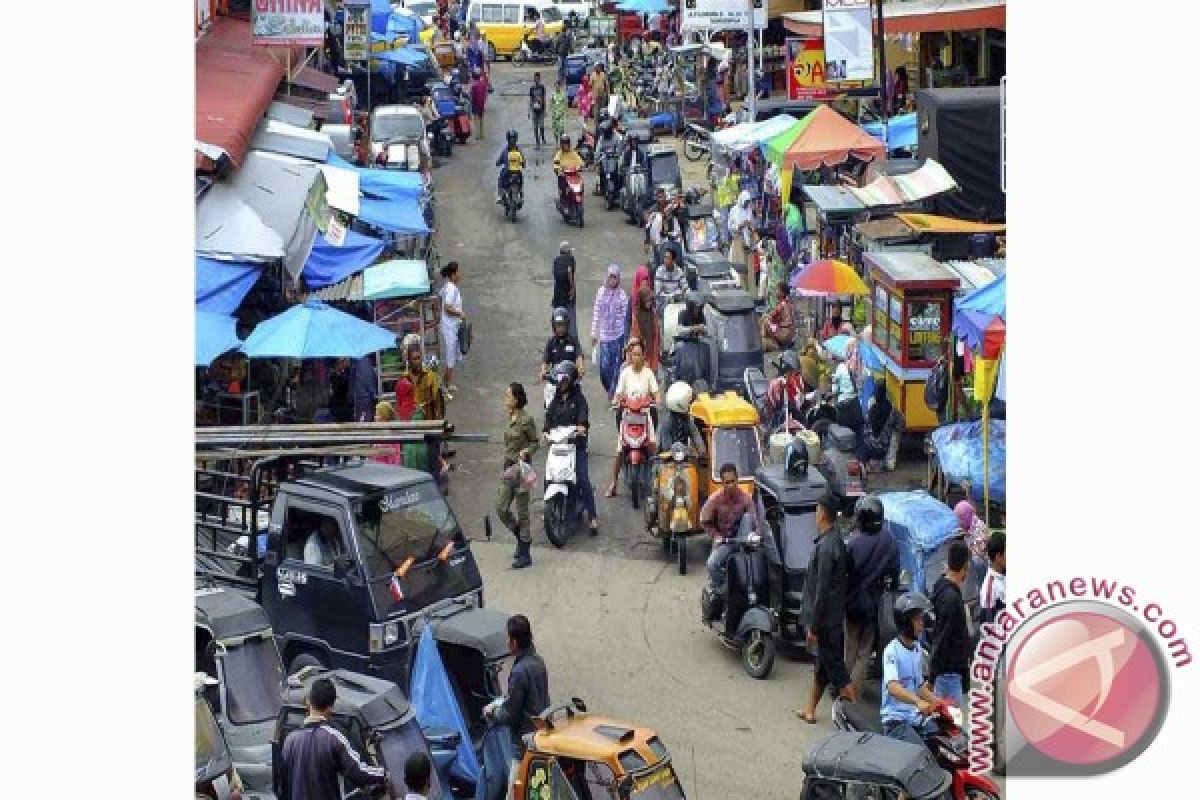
{"x": 441, "y": 140}
{"x": 674, "y": 516}
{"x": 610, "y": 181}
{"x": 741, "y": 615}
{"x": 534, "y": 51}
{"x": 697, "y": 141}
{"x": 948, "y": 745}
{"x": 635, "y": 447}
{"x": 586, "y": 147}
{"x": 571, "y": 205}
{"x": 633, "y": 191}
{"x": 563, "y": 506}
{"x": 846, "y": 474}
{"x": 513, "y": 196}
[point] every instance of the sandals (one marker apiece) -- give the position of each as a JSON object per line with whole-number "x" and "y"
{"x": 805, "y": 716}
{"x": 611, "y": 491}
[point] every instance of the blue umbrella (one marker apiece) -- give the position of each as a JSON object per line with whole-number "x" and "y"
{"x": 644, "y": 6}
{"x": 215, "y": 334}
{"x": 837, "y": 344}
{"x": 315, "y": 330}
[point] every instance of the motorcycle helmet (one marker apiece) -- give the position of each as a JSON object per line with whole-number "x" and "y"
{"x": 795, "y": 459}
{"x": 679, "y": 397}
{"x": 868, "y": 514}
{"x": 564, "y": 142}
{"x": 694, "y": 301}
{"x": 908, "y": 606}
{"x": 678, "y": 453}
{"x": 564, "y": 375}
{"x": 511, "y": 137}
{"x": 559, "y": 315}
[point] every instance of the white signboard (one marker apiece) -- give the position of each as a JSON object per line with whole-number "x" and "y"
{"x": 288, "y": 22}
{"x": 720, "y": 15}
{"x": 849, "y": 54}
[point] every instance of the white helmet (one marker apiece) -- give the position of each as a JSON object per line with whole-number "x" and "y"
{"x": 679, "y": 397}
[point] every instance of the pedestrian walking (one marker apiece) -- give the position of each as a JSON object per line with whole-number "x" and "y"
{"x": 452, "y": 319}
{"x": 366, "y": 389}
{"x": 994, "y": 593}
{"x": 873, "y": 558}
{"x": 315, "y": 756}
{"x": 537, "y": 110}
{"x": 479, "y": 93}
{"x": 950, "y": 648}
{"x": 584, "y": 99}
{"x": 600, "y": 91}
{"x": 564, "y": 285}
{"x": 428, "y": 400}
{"x": 975, "y": 532}
{"x": 825, "y": 587}
{"x": 520, "y": 443}
{"x": 418, "y": 775}
{"x": 528, "y": 689}
{"x": 558, "y": 110}
{"x": 610, "y": 315}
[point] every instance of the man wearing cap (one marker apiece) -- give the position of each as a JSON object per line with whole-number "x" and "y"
{"x": 564, "y": 284}
{"x": 824, "y": 606}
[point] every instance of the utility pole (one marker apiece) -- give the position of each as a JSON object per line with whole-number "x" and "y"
{"x": 752, "y": 98}
{"x": 883, "y": 76}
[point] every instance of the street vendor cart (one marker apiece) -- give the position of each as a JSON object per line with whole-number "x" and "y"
{"x": 911, "y": 302}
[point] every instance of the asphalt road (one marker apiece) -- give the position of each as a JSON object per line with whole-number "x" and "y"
{"x": 616, "y": 623}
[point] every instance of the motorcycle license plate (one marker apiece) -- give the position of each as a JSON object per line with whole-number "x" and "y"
{"x": 635, "y": 419}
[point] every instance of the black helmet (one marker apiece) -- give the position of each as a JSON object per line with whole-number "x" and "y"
{"x": 559, "y": 315}
{"x": 908, "y": 605}
{"x": 796, "y": 458}
{"x": 511, "y": 136}
{"x": 564, "y": 375}
{"x": 564, "y": 140}
{"x": 789, "y": 362}
{"x": 694, "y": 300}
{"x": 868, "y": 514}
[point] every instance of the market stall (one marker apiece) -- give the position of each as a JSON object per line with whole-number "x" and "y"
{"x": 911, "y": 306}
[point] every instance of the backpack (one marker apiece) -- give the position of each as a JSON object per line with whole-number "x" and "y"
{"x": 937, "y": 387}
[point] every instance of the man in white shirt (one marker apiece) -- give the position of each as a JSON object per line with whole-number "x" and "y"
{"x": 319, "y": 547}
{"x": 994, "y": 593}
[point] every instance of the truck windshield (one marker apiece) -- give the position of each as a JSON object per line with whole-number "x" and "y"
{"x": 390, "y": 127}
{"x": 658, "y": 784}
{"x": 414, "y": 521}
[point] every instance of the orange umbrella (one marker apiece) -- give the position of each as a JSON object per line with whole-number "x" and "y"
{"x": 823, "y": 138}
{"x": 828, "y": 277}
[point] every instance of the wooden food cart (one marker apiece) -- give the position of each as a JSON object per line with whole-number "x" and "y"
{"x": 912, "y": 299}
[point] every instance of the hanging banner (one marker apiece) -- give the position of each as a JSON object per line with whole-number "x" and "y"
{"x": 356, "y": 31}
{"x": 805, "y": 69}
{"x": 289, "y": 22}
{"x": 720, "y": 15}
{"x": 849, "y": 53}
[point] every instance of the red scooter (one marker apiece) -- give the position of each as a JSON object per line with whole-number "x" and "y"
{"x": 636, "y": 452}
{"x": 570, "y": 204}
{"x": 948, "y": 745}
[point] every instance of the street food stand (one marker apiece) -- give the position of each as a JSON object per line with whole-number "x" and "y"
{"x": 837, "y": 210}
{"x": 912, "y": 300}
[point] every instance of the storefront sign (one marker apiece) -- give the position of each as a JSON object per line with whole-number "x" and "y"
{"x": 849, "y": 54}
{"x": 356, "y": 31}
{"x": 289, "y": 22}
{"x": 805, "y": 69}
{"x": 720, "y": 15}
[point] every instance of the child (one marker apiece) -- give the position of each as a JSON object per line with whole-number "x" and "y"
{"x": 993, "y": 595}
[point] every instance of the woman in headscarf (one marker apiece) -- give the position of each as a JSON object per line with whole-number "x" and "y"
{"x": 641, "y": 276}
{"x": 881, "y": 434}
{"x": 741, "y": 221}
{"x": 584, "y": 98}
{"x": 388, "y": 453}
{"x": 851, "y": 354}
{"x": 645, "y": 326}
{"x": 610, "y": 319}
{"x": 975, "y": 533}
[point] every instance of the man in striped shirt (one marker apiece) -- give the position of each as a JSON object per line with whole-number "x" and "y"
{"x": 994, "y": 593}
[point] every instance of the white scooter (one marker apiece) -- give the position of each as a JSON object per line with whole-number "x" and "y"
{"x": 562, "y": 506}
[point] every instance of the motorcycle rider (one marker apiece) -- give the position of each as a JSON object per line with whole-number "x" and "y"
{"x": 511, "y": 163}
{"x": 678, "y": 425}
{"x": 663, "y": 231}
{"x": 670, "y": 281}
{"x": 727, "y": 515}
{"x": 569, "y": 407}
{"x": 691, "y": 318}
{"x": 561, "y": 346}
{"x": 907, "y": 698}
{"x": 608, "y": 140}
{"x": 565, "y": 160}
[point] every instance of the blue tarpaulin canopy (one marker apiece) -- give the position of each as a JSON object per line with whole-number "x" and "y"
{"x": 959, "y": 451}
{"x": 381, "y": 11}
{"x": 215, "y": 334}
{"x": 901, "y": 132}
{"x": 973, "y": 313}
{"x": 385, "y": 183}
{"x": 400, "y": 215}
{"x": 222, "y": 285}
{"x": 436, "y": 705}
{"x": 401, "y": 277}
{"x": 921, "y": 525}
{"x": 327, "y": 263}
{"x": 404, "y": 56}
{"x": 315, "y": 330}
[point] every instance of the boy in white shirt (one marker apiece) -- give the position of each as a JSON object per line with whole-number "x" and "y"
{"x": 994, "y": 592}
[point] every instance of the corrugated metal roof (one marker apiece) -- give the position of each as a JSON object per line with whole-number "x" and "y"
{"x": 834, "y": 199}
{"x": 973, "y": 274}
{"x": 904, "y": 267}
{"x": 291, "y": 140}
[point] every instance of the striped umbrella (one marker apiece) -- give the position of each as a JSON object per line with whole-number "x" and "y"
{"x": 828, "y": 277}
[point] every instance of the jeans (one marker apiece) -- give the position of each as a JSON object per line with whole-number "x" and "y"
{"x": 717, "y": 559}
{"x": 586, "y": 493}
{"x": 950, "y": 686}
{"x": 539, "y": 129}
{"x": 899, "y": 729}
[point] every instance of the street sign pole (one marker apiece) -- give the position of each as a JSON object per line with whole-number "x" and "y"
{"x": 752, "y": 99}
{"x": 883, "y": 75}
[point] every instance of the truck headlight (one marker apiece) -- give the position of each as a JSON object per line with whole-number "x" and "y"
{"x": 374, "y": 637}
{"x": 391, "y": 633}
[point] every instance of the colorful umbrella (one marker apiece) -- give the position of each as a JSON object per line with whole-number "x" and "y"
{"x": 315, "y": 330}
{"x": 215, "y": 334}
{"x": 828, "y": 277}
{"x": 837, "y": 344}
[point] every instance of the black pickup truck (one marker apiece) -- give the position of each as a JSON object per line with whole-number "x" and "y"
{"x": 343, "y": 559}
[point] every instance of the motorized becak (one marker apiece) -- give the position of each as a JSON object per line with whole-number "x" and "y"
{"x": 729, "y": 426}
{"x": 576, "y": 755}
{"x": 732, "y": 335}
{"x": 867, "y": 765}
{"x": 570, "y": 202}
{"x": 673, "y": 510}
{"x": 636, "y": 452}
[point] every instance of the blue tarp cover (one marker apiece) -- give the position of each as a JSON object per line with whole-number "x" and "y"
{"x": 959, "y": 449}
{"x": 990, "y": 299}
{"x": 436, "y": 705}
{"x": 498, "y": 752}
{"x": 215, "y": 334}
{"x": 222, "y": 285}
{"x": 901, "y": 133}
{"x": 921, "y": 524}
{"x": 405, "y": 56}
{"x": 384, "y": 183}
{"x": 400, "y": 215}
{"x": 327, "y": 263}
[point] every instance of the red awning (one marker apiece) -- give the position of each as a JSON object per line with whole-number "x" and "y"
{"x": 234, "y": 85}
{"x": 920, "y": 16}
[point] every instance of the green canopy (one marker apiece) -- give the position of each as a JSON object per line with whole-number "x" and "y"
{"x": 401, "y": 277}
{"x": 778, "y": 144}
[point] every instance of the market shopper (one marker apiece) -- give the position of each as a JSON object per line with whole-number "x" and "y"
{"x": 479, "y": 93}
{"x": 779, "y": 325}
{"x": 975, "y": 533}
{"x": 315, "y": 758}
{"x": 365, "y": 383}
{"x": 528, "y": 686}
{"x": 950, "y": 650}
{"x": 994, "y": 594}
{"x": 537, "y": 110}
{"x": 881, "y": 433}
{"x": 874, "y": 557}
{"x": 645, "y": 326}
{"x": 451, "y": 321}
{"x": 428, "y": 401}
{"x": 563, "y": 296}
{"x": 520, "y": 443}
{"x": 825, "y": 587}
{"x": 610, "y": 317}
{"x": 558, "y": 110}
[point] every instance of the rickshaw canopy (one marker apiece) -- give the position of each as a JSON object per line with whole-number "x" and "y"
{"x": 723, "y": 410}
{"x": 229, "y": 615}
{"x": 874, "y": 759}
